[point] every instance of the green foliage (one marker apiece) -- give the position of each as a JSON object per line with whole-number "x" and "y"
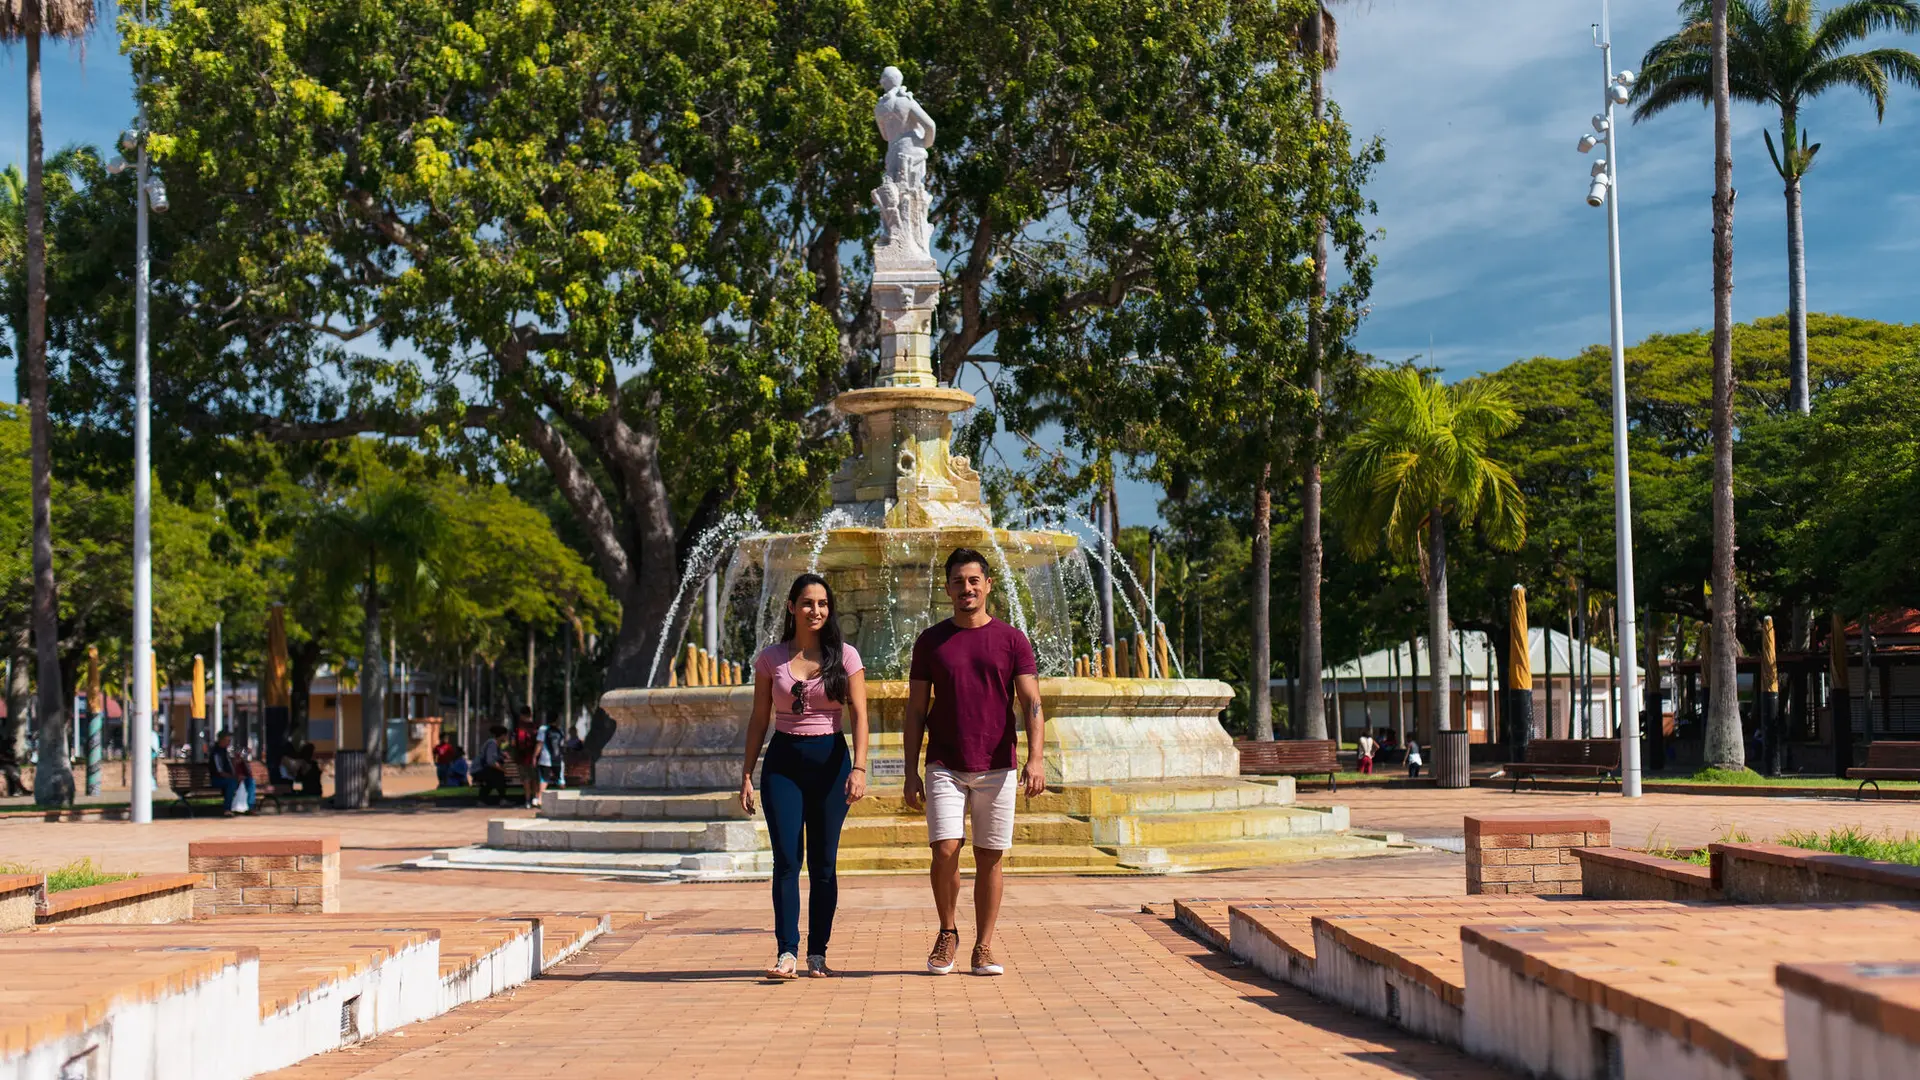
{"x": 1198, "y": 230}
{"x": 79, "y": 874}
{"x": 1805, "y": 488}
{"x": 1713, "y": 775}
{"x": 1424, "y": 447}
{"x": 1858, "y": 842}
{"x": 1780, "y": 53}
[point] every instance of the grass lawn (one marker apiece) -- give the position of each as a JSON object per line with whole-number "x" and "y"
{"x": 1847, "y": 840}
{"x": 75, "y": 875}
{"x": 161, "y": 804}
{"x": 1749, "y": 778}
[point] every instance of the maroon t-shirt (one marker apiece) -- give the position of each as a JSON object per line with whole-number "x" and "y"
{"x": 970, "y": 726}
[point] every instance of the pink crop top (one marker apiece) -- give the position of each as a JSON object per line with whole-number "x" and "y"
{"x": 818, "y": 714}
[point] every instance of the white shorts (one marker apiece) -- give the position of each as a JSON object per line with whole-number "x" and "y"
{"x": 986, "y": 796}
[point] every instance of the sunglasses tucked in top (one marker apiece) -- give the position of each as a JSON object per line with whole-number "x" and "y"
{"x": 801, "y": 706}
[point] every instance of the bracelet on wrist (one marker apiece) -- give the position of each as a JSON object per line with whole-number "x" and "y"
{"x": 859, "y": 768}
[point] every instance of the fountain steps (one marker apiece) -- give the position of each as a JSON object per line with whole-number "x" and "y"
{"x": 1162, "y": 826}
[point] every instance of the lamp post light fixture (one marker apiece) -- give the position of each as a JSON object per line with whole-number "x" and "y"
{"x": 1604, "y": 190}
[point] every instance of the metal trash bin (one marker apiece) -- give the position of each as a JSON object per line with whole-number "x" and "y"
{"x": 350, "y": 780}
{"x": 1450, "y": 759}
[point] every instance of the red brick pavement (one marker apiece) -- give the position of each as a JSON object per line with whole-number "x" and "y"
{"x": 1086, "y": 993}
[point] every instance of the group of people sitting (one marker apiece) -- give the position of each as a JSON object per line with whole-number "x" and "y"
{"x": 1371, "y": 748}
{"x": 232, "y": 770}
{"x": 538, "y": 753}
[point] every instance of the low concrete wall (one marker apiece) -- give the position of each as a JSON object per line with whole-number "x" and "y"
{"x": 1540, "y": 1029}
{"x": 149, "y": 898}
{"x": 1520, "y": 853}
{"x": 1619, "y": 874}
{"x": 1378, "y": 983}
{"x": 297, "y": 875}
{"x": 170, "y": 1015}
{"x": 1852, "y": 1021}
{"x": 19, "y": 900}
{"x": 1776, "y": 874}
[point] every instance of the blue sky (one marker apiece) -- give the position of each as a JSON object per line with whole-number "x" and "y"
{"x": 1488, "y": 252}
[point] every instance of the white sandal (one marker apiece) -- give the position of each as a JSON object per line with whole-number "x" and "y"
{"x": 786, "y": 967}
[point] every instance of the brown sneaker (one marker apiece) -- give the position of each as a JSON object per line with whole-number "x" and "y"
{"x": 984, "y": 963}
{"x": 940, "y": 960}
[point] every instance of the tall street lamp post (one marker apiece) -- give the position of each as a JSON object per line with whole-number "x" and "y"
{"x": 150, "y": 194}
{"x": 1616, "y": 90}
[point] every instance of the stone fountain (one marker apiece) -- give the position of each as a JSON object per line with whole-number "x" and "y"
{"x": 1141, "y": 776}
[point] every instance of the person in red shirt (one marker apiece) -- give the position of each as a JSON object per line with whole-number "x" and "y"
{"x": 967, "y": 672}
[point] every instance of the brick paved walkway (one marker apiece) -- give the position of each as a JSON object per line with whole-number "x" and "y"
{"x": 1087, "y": 993}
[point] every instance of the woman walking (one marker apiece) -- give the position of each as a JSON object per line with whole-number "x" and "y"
{"x": 801, "y": 685}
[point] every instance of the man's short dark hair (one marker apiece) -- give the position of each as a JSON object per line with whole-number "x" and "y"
{"x": 526, "y": 710}
{"x": 963, "y": 556}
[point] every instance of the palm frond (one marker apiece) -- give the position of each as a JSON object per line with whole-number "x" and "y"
{"x": 68, "y": 19}
{"x": 1855, "y": 70}
{"x": 1858, "y": 20}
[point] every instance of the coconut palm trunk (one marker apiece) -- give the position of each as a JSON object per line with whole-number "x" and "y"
{"x": 1260, "y": 693}
{"x": 1799, "y": 391}
{"x": 1440, "y": 659}
{"x": 52, "y": 775}
{"x": 1724, "y": 746}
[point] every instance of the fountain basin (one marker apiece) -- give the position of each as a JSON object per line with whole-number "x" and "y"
{"x": 690, "y": 738}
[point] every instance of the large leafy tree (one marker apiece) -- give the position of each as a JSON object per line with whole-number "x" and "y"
{"x": 1783, "y": 53}
{"x": 1424, "y": 454}
{"x": 625, "y": 239}
{"x": 1203, "y": 230}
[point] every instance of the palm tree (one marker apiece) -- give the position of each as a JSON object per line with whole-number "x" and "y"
{"x": 385, "y": 545}
{"x": 29, "y": 21}
{"x": 1423, "y": 454}
{"x": 1783, "y": 53}
{"x": 1321, "y": 43}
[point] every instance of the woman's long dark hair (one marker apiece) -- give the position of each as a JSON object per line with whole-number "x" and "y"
{"x": 833, "y": 668}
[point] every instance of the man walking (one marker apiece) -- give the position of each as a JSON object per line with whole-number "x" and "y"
{"x": 972, "y": 667}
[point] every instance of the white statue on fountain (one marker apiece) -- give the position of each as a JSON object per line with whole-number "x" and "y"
{"x": 902, "y": 194}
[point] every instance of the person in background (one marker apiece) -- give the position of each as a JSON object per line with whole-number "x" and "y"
{"x": 1413, "y": 758}
{"x": 526, "y": 755}
{"x": 459, "y": 769}
{"x": 489, "y": 776}
{"x": 443, "y": 756}
{"x": 230, "y": 774}
{"x": 547, "y": 755}
{"x": 1367, "y": 747}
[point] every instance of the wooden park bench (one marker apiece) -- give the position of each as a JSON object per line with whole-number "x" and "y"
{"x": 1598, "y": 758}
{"x": 1290, "y": 757}
{"x": 579, "y": 774}
{"x": 1887, "y": 761}
{"x": 194, "y": 780}
{"x": 191, "y": 780}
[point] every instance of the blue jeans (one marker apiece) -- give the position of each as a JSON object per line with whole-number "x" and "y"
{"x": 227, "y": 784}
{"x": 804, "y": 787}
